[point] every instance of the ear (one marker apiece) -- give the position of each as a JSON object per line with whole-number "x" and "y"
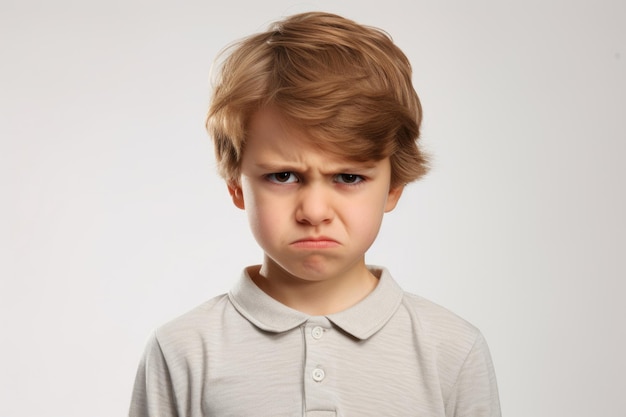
{"x": 234, "y": 189}
{"x": 393, "y": 197}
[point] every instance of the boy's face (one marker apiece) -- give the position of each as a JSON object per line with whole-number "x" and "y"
{"x": 314, "y": 215}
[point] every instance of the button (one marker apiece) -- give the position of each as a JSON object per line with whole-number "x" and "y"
{"x": 317, "y": 332}
{"x": 318, "y": 375}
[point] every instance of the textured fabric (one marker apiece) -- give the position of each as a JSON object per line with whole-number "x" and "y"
{"x": 245, "y": 354}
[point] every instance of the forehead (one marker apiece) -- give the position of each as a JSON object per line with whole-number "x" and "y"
{"x": 272, "y": 140}
{"x": 269, "y": 122}
{"x": 270, "y": 136}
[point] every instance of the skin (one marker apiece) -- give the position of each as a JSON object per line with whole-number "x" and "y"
{"x": 313, "y": 215}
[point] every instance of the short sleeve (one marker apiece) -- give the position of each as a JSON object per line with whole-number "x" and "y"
{"x": 153, "y": 394}
{"x": 475, "y": 393}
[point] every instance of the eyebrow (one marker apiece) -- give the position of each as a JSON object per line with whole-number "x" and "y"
{"x": 295, "y": 167}
{"x": 278, "y": 167}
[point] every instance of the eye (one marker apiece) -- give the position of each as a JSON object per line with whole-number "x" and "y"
{"x": 348, "y": 179}
{"x": 282, "y": 177}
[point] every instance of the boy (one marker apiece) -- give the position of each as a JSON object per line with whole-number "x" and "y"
{"x": 315, "y": 124}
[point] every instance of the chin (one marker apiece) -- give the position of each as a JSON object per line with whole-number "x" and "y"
{"x": 307, "y": 271}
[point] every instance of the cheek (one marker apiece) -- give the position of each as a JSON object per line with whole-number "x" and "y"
{"x": 365, "y": 221}
{"x": 265, "y": 218}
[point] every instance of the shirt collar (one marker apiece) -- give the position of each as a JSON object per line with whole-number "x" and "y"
{"x": 361, "y": 320}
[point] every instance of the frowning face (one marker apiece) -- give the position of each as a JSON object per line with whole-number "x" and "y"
{"x": 313, "y": 215}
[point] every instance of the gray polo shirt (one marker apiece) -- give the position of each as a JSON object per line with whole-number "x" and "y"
{"x": 245, "y": 354}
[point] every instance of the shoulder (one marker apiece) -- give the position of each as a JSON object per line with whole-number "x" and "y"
{"x": 456, "y": 346}
{"x": 188, "y": 330}
{"x": 449, "y": 335}
{"x": 437, "y": 321}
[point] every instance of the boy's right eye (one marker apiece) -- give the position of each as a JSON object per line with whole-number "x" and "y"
{"x": 282, "y": 177}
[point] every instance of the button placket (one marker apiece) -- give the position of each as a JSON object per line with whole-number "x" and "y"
{"x": 319, "y": 386}
{"x": 318, "y": 374}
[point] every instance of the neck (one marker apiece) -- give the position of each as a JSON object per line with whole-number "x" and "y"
{"x": 316, "y": 297}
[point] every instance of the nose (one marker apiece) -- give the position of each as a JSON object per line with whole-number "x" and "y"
{"x": 314, "y": 205}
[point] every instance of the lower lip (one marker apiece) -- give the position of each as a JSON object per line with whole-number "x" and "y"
{"x": 315, "y": 244}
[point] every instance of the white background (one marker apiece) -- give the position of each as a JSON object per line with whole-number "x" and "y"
{"x": 113, "y": 220}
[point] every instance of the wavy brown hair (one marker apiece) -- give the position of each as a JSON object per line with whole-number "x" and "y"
{"x": 348, "y": 86}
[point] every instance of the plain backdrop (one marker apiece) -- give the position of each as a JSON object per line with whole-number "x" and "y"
{"x": 113, "y": 219}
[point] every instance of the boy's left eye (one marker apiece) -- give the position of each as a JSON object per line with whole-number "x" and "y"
{"x": 348, "y": 178}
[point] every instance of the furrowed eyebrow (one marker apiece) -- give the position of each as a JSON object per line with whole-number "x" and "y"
{"x": 357, "y": 167}
{"x": 278, "y": 167}
{"x": 337, "y": 169}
